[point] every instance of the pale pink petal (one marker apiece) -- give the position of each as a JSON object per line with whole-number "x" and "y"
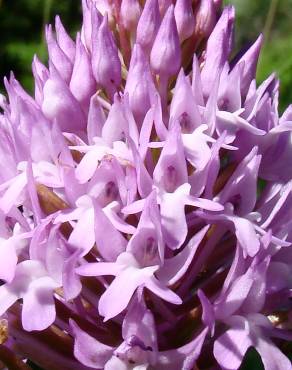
{"x": 230, "y": 348}
{"x": 38, "y": 311}
{"x": 117, "y": 296}
{"x": 88, "y": 350}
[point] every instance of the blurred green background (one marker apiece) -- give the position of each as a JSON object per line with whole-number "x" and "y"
{"x": 22, "y": 24}
{"x": 21, "y": 35}
{"x": 274, "y": 19}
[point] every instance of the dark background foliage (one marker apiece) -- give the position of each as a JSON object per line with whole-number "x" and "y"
{"x": 22, "y": 24}
{"x": 273, "y": 18}
{"x": 21, "y": 36}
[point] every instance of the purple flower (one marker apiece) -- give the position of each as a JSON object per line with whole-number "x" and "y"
{"x": 145, "y": 197}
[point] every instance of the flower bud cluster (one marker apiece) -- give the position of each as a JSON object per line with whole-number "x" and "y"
{"x": 145, "y": 189}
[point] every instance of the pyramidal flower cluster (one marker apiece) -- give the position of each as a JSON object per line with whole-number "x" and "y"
{"x": 145, "y": 197}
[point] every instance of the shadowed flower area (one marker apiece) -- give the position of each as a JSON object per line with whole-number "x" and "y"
{"x": 145, "y": 189}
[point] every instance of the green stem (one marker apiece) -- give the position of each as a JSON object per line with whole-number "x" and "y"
{"x": 270, "y": 19}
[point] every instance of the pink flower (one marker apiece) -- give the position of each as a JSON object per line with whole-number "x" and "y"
{"x": 145, "y": 197}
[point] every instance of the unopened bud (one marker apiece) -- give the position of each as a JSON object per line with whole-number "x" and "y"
{"x": 184, "y": 18}
{"x": 148, "y": 25}
{"x": 105, "y": 59}
{"x": 165, "y": 55}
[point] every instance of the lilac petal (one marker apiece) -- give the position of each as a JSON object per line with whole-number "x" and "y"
{"x": 250, "y": 59}
{"x": 184, "y": 18}
{"x": 64, "y": 40}
{"x": 100, "y": 269}
{"x": 156, "y": 287}
{"x": 58, "y": 57}
{"x": 211, "y": 110}
{"x": 197, "y": 82}
{"x": 278, "y": 277}
{"x": 237, "y": 268}
{"x": 47, "y": 174}
{"x": 205, "y": 18}
{"x": 174, "y": 268}
{"x": 165, "y": 55}
{"x": 273, "y": 202}
{"x": 130, "y": 12}
{"x": 245, "y": 231}
{"x": 208, "y": 316}
{"x": 246, "y": 235}
{"x": 232, "y": 123}
{"x": 41, "y": 74}
{"x": 8, "y": 297}
{"x": 134, "y": 207}
{"x": 150, "y": 227}
{"x": 255, "y": 299}
{"x": 171, "y": 170}
{"x": 163, "y": 6}
{"x": 158, "y": 120}
{"x": 73, "y": 189}
{"x": 92, "y": 19}
{"x": 145, "y": 133}
{"x": 232, "y": 94}
{"x": 272, "y": 357}
{"x": 230, "y": 302}
{"x": 148, "y": 25}
{"x": 182, "y": 107}
{"x": 208, "y": 161}
{"x": 88, "y": 164}
{"x": 243, "y": 183}
{"x": 183, "y": 357}
{"x": 82, "y": 83}
{"x": 206, "y": 204}
{"x": 130, "y": 185}
{"x": 117, "y": 364}
{"x": 59, "y": 104}
{"x": 8, "y": 258}
{"x": 65, "y": 216}
{"x": 199, "y": 154}
{"x": 193, "y": 350}
{"x": 274, "y": 239}
{"x": 108, "y": 184}
{"x": 39, "y": 237}
{"x": 139, "y": 333}
{"x": 15, "y": 90}
{"x": 96, "y": 119}
{"x": 31, "y": 187}
{"x": 110, "y": 131}
{"x": 139, "y": 322}
{"x": 89, "y": 351}
{"x": 55, "y": 254}
{"x": 109, "y": 240}
{"x": 112, "y": 302}
{"x": 38, "y": 311}
{"x": 132, "y": 130}
{"x": 218, "y": 49}
{"x": 144, "y": 180}
{"x": 118, "y": 222}
{"x": 59, "y": 148}
{"x": 173, "y": 220}
{"x": 106, "y": 64}
{"x": 10, "y": 197}
{"x": 82, "y": 236}
{"x": 230, "y": 348}
{"x": 71, "y": 282}
{"x": 139, "y": 85}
